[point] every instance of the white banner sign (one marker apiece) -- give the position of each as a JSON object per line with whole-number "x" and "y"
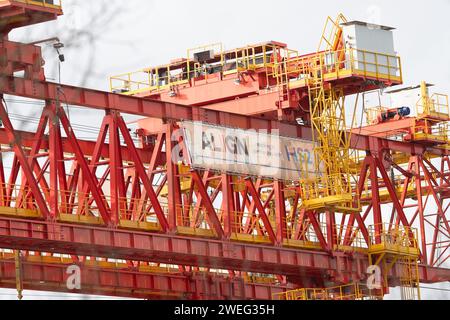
{"x": 248, "y": 152}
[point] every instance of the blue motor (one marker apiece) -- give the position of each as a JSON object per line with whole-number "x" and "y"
{"x": 396, "y": 114}
{"x": 404, "y": 111}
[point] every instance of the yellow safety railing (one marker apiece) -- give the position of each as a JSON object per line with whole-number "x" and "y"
{"x": 356, "y": 239}
{"x": 292, "y": 295}
{"x": 77, "y": 203}
{"x": 55, "y": 4}
{"x": 307, "y": 232}
{"x": 395, "y": 238}
{"x": 397, "y": 246}
{"x": 182, "y": 72}
{"x": 373, "y": 64}
{"x": 189, "y": 216}
{"x": 258, "y": 278}
{"x": 436, "y": 106}
{"x": 285, "y": 65}
{"x": 216, "y": 48}
{"x": 341, "y": 63}
{"x": 346, "y": 292}
{"x": 320, "y": 188}
{"x": 432, "y": 131}
{"x": 373, "y": 114}
{"x": 15, "y": 195}
{"x": 398, "y": 183}
{"x": 196, "y": 217}
{"x": 247, "y": 224}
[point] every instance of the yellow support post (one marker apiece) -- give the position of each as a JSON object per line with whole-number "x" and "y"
{"x": 19, "y": 283}
{"x": 425, "y": 98}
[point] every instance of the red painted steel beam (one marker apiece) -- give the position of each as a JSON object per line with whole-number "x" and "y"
{"x": 374, "y": 144}
{"x": 19, "y": 234}
{"x": 386, "y": 129}
{"x": 101, "y": 100}
{"x": 130, "y": 283}
{"x": 160, "y": 248}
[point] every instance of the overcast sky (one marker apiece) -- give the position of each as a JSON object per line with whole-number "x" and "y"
{"x": 146, "y": 33}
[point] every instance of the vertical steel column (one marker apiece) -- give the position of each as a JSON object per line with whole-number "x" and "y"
{"x": 117, "y": 183}
{"x": 376, "y": 202}
{"x": 280, "y": 212}
{"x": 229, "y": 214}
{"x": 54, "y": 128}
{"x": 173, "y": 181}
{"x": 19, "y": 279}
{"x": 3, "y": 186}
{"x": 415, "y": 168}
{"x": 332, "y": 239}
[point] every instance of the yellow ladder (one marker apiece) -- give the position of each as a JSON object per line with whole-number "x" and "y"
{"x": 332, "y": 33}
{"x": 332, "y": 186}
{"x": 281, "y": 73}
{"x": 409, "y": 278}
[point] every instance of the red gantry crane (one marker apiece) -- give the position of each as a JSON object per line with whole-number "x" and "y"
{"x": 193, "y": 211}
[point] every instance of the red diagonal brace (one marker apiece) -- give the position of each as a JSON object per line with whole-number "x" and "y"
{"x": 262, "y": 213}
{"x": 143, "y": 175}
{"x": 83, "y": 195}
{"x": 212, "y": 215}
{"x": 20, "y": 154}
{"x": 317, "y": 229}
{"x": 91, "y": 180}
{"x": 153, "y": 163}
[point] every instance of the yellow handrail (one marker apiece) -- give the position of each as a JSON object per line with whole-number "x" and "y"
{"x": 437, "y": 105}
{"x": 395, "y": 236}
{"x": 285, "y": 66}
{"x": 354, "y": 291}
